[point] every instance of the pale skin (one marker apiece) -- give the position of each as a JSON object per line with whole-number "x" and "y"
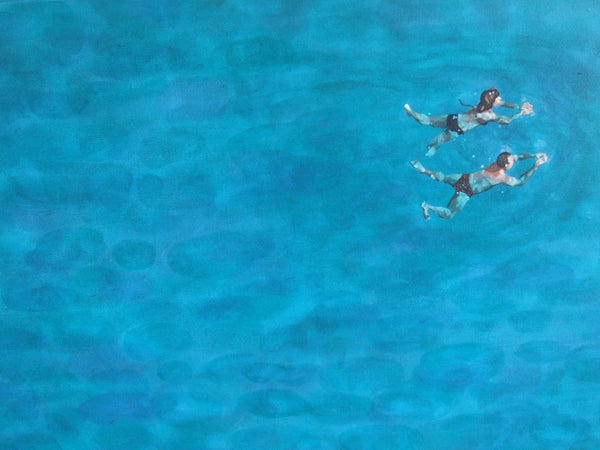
{"x": 479, "y": 181}
{"x": 466, "y": 121}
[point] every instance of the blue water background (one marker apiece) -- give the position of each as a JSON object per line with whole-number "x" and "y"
{"x": 211, "y": 232}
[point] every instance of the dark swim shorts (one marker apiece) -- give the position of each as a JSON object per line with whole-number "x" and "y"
{"x": 463, "y": 185}
{"x": 452, "y": 124}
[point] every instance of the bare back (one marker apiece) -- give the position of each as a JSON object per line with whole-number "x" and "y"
{"x": 469, "y": 120}
{"x": 487, "y": 178}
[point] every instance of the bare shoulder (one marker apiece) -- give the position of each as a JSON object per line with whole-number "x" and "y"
{"x": 511, "y": 181}
{"x": 496, "y": 177}
{"x": 487, "y": 116}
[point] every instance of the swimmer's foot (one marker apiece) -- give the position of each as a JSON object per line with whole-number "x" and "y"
{"x": 425, "y": 213}
{"x": 419, "y": 117}
{"x": 417, "y": 165}
{"x": 431, "y": 149}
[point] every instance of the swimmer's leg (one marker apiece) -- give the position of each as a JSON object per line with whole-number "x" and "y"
{"x": 434, "y": 145}
{"x": 450, "y": 179}
{"x": 456, "y": 203}
{"x": 434, "y": 121}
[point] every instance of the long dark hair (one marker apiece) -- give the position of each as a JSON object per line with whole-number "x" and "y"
{"x": 487, "y": 99}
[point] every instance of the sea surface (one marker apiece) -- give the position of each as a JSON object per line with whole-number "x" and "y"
{"x": 211, "y": 235}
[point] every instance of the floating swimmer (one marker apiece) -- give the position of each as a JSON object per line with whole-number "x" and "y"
{"x": 466, "y": 185}
{"x": 456, "y": 124}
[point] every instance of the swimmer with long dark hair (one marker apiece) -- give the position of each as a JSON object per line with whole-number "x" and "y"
{"x": 457, "y": 124}
{"x": 467, "y": 185}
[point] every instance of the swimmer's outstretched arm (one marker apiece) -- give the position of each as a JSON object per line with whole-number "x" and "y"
{"x": 522, "y": 156}
{"x": 525, "y": 105}
{"x": 509, "y": 105}
{"x": 524, "y": 109}
{"x": 540, "y": 158}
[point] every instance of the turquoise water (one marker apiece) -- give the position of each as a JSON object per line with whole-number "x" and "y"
{"x": 212, "y": 239}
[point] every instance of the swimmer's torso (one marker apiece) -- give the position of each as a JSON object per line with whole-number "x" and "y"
{"x": 468, "y": 121}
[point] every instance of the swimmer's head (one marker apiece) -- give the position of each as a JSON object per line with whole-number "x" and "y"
{"x": 487, "y": 99}
{"x": 504, "y": 160}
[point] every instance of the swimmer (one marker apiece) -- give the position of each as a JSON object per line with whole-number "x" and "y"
{"x": 466, "y": 185}
{"x": 457, "y": 124}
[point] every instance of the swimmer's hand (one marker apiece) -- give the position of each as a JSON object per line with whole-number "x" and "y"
{"x": 526, "y": 108}
{"x": 540, "y": 158}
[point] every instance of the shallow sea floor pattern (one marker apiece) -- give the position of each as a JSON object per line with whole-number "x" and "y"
{"x": 212, "y": 235}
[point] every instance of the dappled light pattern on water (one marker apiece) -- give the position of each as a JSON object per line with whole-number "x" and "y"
{"x": 211, "y": 232}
